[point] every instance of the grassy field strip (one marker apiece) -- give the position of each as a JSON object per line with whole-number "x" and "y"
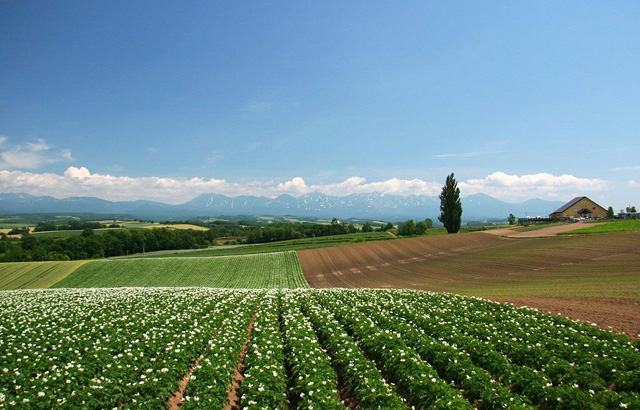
{"x": 290, "y": 245}
{"x": 70, "y": 233}
{"x": 273, "y": 270}
{"x": 627, "y": 225}
{"x": 34, "y": 275}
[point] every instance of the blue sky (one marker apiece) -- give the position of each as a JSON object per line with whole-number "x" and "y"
{"x": 169, "y": 100}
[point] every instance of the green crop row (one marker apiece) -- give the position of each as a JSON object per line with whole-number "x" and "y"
{"x": 272, "y": 270}
{"x": 302, "y": 348}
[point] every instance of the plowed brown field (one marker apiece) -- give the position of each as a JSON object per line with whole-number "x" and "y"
{"x": 576, "y": 267}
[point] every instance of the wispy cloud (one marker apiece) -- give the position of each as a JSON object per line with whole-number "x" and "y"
{"x": 30, "y": 155}
{"x": 256, "y": 106}
{"x": 262, "y": 108}
{"x": 254, "y": 146}
{"x": 215, "y": 156}
{"x": 470, "y": 154}
{"x": 629, "y": 168}
{"x": 80, "y": 181}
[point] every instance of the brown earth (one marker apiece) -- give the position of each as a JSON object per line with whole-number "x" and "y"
{"x": 177, "y": 399}
{"x": 540, "y": 233}
{"x": 622, "y": 315}
{"x": 573, "y": 269}
{"x": 238, "y": 373}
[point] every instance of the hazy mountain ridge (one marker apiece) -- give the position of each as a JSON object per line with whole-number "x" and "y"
{"x": 370, "y": 206}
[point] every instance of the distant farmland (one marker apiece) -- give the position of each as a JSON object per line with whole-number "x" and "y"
{"x": 273, "y": 270}
{"x": 593, "y": 277}
{"x": 34, "y": 275}
{"x": 479, "y": 263}
{"x": 176, "y": 226}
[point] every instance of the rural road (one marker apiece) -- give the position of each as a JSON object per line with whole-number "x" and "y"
{"x": 540, "y": 233}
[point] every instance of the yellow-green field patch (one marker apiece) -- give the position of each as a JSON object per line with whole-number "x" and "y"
{"x": 34, "y": 275}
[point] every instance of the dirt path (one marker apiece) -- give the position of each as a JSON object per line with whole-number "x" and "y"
{"x": 622, "y": 315}
{"x": 540, "y": 233}
{"x": 176, "y": 400}
{"x": 238, "y": 373}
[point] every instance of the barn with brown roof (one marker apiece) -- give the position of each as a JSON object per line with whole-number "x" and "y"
{"x": 580, "y": 207}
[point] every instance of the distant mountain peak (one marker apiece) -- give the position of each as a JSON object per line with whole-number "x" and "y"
{"x": 374, "y": 205}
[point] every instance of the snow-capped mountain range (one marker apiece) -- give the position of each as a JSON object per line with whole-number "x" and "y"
{"x": 365, "y": 206}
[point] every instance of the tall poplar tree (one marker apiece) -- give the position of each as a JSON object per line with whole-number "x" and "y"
{"x": 450, "y": 206}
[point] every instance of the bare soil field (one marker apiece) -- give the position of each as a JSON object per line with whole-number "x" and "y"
{"x": 574, "y": 271}
{"x": 622, "y": 315}
{"x": 540, "y": 233}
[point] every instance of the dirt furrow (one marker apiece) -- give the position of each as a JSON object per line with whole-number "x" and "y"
{"x": 177, "y": 399}
{"x": 238, "y": 373}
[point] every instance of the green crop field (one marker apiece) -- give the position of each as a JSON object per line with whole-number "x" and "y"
{"x": 32, "y": 275}
{"x": 11, "y": 225}
{"x": 273, "y": 270}
{"x": 69, "y": 233}
{"x": 302, "y": 349}
{"x": 129, "y": 224}
{"x": 625, "y": 225}
{"x": 291, "y": 245}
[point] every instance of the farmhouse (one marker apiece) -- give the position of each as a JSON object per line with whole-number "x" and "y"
{"x": 580, "y": 207}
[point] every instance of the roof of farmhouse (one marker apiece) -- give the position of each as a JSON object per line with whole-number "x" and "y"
{"x": 571, "y": 203}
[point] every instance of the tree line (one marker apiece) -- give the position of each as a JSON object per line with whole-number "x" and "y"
{"x": 118, "y": 242}
{"x": 72, "y": 225}
{"x": 111, "y": 243}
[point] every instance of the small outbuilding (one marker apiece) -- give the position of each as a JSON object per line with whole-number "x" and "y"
{"x": 580, "y": 207}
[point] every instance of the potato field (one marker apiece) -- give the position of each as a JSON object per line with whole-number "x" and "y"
{"x": 154, "y": 348}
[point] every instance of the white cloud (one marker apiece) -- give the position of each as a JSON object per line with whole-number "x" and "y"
{"x": 296, "y": 186}
{"x": 31, "y": 155}
{"x": 542, "y": 185}
{"x": 358, "y": 185}
{"x": 633, "y": 184}
{"x": 79, "y": 181}
{"x": 79, "y": 173}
